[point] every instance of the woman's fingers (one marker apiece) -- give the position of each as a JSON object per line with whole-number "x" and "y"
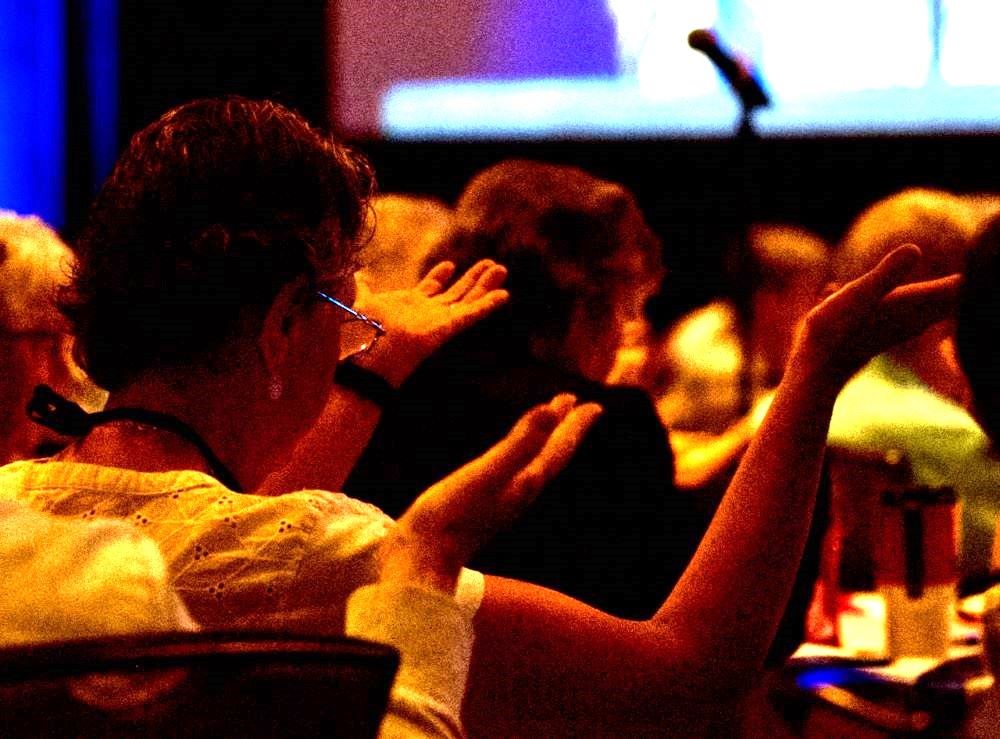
{"x": 468, "y": 501}
{"x": 494, "y": 469}
{"x": 466, "y": 282}
{"x": 876, "y": 311}
{"x": 490, "y": 280}
{"x": 550, "y": 461}
{"x": 436, "y": 278}
{"x": 465, "y": 314}
{"x": 910, "y": 309}
{"x": 892, "y": 270}
{"x": 480, "y": 279}
{"x": 445, "y": 526}
{"x": 867, "y": 290}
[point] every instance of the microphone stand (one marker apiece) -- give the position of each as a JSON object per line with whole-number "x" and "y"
{"x": 751, "y": 95}
{"x": 746, "y": 144}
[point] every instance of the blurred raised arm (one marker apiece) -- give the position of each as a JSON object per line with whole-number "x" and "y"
{"x": 545, "y": 663}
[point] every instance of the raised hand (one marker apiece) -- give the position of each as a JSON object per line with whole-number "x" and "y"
{"x": 445, "y": 526}
{"x": 872, "y": 313}
{"x": 420, "y": 319}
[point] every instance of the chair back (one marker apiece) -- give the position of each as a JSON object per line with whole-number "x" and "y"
{"x": 196, "y": 684}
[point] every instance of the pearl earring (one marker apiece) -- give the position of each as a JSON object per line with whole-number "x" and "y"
{"x": 275, "y": 388}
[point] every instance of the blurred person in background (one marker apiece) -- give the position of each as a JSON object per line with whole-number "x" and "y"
{"x": 35, "y": 344}
{"x": 405, "y": 229}
{"x": 914, "y": 398}
{"x": 984, "y": 205}
{"x": 694, "y": 368}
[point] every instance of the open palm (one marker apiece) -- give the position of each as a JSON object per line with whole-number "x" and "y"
{"x": 420, "y": 319}
{"x": 453, "y": 518}
{"x": 874, "y": 312}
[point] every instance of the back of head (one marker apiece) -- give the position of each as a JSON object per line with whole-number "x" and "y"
{"x": 565, "y": 236}
{"x": 789, "y": 267}
{"x": 208, "y": 212}
{"x": 783, "y": 254}
{"x": 940, "y": 223}
{"x": 978, "y": 326}
{"x": 407, "y": 228}
{"x": 984, "y": 205}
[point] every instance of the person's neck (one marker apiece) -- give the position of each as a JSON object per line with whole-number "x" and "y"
{"x": 225, "y": 420}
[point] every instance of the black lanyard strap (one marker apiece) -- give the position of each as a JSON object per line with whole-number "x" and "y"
{"x": 63, "y": 416}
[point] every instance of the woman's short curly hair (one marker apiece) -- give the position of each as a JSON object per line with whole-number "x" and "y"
{"x": 208, "y": 213}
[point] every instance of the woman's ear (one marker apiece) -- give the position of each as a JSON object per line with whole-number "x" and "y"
{"x": 279, "y": 326}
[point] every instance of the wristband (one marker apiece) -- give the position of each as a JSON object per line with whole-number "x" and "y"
{"x": 365, "y": 383}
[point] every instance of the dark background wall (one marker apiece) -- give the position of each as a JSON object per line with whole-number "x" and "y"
{"x": 692, "y": 191}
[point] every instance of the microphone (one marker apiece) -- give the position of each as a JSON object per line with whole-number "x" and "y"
{"x": 737, "y": 73}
